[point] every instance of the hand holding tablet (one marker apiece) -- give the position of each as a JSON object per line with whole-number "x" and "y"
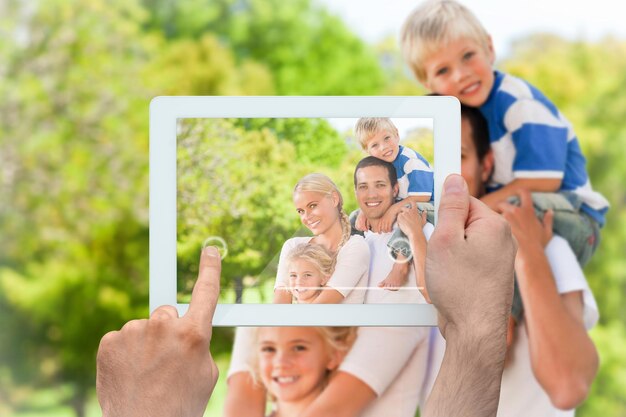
{"x": 162, "y": 366}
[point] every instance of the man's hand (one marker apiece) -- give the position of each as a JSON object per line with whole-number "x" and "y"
{"x": 526, "y": 228}
{"x": 411, "y": 221}
{"x": 469, "y": 275}
{"x": 469, "y": 263}
{"x": 162, "y": 366}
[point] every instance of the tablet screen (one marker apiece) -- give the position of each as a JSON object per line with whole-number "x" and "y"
{"x": 235, "y": 181}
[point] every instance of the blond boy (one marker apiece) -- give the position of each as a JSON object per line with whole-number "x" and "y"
{"x": 534, "y": 146}
{"x": 379, "y": 137}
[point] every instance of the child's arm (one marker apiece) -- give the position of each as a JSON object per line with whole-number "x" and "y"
{"x": 546, "y": 185}
{"x": 387, "y": 221}
{"x": 328, "y": 296}
{"x": 361, "y": 222}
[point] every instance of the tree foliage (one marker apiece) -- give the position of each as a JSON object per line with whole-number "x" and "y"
{"x": 307, "y": 50}
{"x": 76, "y": 77}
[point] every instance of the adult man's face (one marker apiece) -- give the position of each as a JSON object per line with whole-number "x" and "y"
{"x": 475, "y": 171}
{"x": 374, "y": 191}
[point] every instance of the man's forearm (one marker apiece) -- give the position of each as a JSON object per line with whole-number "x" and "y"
{"x": 563, "y": 357}
{"x": 469, "y": 380}
{"x": 418, "y": 247}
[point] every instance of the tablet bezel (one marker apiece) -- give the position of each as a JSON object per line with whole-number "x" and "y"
{"x": 164, "y": 114}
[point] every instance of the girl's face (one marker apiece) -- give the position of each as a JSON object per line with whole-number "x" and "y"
{"x": 318, "y": 211}
{"x": 294, "y": 362}
{"x": 305, "y": 279}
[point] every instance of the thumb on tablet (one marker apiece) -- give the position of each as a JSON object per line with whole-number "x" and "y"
{"x": 453, "y": 208}
{"x": 207, "y": 288}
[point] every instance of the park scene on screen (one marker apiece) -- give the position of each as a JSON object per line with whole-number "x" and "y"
{"x": 235, "y": 190}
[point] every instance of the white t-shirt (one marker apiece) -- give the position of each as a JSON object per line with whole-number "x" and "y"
{"x": 380, "y": 265}
{"x": 520, "y": 393}
{"x": 351, "y": 269}
{"x": 390, "y": 360}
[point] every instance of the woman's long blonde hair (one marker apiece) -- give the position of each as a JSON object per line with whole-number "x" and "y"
{"x": 320, "y": 183}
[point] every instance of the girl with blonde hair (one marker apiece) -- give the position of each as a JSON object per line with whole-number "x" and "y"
{"x": 294, "y": 364}
{"x": 310, "y": 267}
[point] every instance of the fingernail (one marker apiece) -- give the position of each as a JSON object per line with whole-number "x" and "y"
{"x": 212, "y": 251}
{"x": 454, "y": 184}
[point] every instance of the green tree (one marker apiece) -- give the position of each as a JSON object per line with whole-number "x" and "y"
{"x": 307, "y": 50}
{"x": 73, "y": 154}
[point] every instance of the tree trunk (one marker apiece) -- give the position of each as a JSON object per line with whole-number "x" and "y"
{"x": 79, "y": 401}
{"x": 238, "y": 290}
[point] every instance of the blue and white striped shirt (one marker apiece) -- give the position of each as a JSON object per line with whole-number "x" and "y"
{"x": 530, "y": 138}
{"x": 415, "y": 176}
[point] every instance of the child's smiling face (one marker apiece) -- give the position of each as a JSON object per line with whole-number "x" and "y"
{"x": 294, "y": 362}
{"x": 383, "y": 145}
{"x": 305, "y": 279}
{"x": 463, "y": 69}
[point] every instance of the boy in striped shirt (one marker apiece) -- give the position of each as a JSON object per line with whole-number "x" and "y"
{"x": 534, "y": 145}
{"x": 379, "y": 137}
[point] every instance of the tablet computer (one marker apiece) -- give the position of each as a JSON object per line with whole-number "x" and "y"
{"x": 223, "y": 172}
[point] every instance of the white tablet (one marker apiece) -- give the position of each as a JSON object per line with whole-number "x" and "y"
{"x": 223, "y": 171}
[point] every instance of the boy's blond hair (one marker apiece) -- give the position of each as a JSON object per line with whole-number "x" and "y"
{"x": 366, "y": 127}
{"x": 435, "y": 24}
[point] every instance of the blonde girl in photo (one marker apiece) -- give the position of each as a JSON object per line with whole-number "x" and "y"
{"x": 294, "y": 364}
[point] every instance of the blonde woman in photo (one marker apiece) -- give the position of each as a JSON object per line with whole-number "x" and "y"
{"x": 319, "y": 204}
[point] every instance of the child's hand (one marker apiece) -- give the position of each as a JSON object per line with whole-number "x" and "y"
{"x": 361, "y": 222}
{"x": 386, "y": 222}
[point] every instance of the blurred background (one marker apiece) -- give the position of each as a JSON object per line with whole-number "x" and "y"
{"x": 76, "y": 79}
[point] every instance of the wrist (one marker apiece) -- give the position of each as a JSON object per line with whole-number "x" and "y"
{"x": 475, "y": 330}
{"x": 528, "y": 253}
